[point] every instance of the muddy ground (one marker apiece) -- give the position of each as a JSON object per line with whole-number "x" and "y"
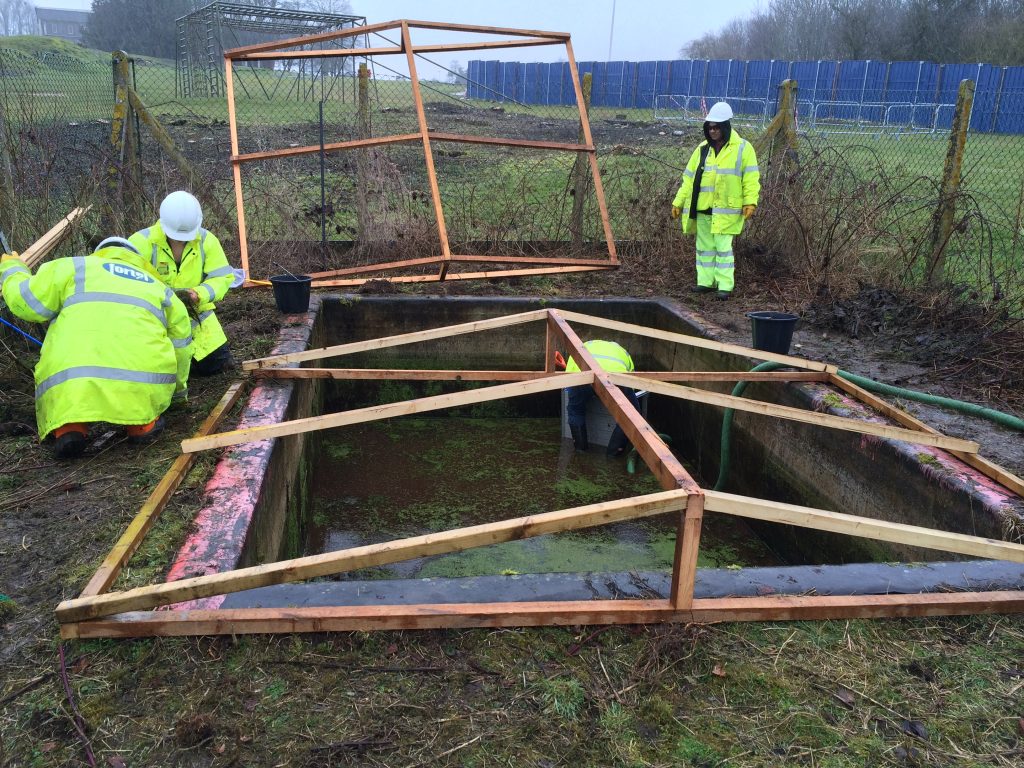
{"x": 942, "y": 691}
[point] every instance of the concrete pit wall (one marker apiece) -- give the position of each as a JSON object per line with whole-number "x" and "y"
{"x": 257, "y": 497}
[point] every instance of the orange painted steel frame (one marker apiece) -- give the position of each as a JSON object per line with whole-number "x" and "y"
{"x": 98, "y": 613}
{"x": 276, "y": 50}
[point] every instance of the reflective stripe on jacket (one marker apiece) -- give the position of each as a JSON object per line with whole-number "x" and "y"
{"x": 731, "y": 179}
{"x": 118, "y": 343}
{"x": 204, "y": 268}
{"x": 609, "y": 355}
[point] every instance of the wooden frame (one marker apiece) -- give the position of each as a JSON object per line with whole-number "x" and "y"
{"x": 100, "y": 613}
{"x": 521, "y": 37}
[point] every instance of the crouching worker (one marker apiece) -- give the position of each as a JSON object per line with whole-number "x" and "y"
{"x": 191, "y": 260}
{"x": 613, "y": 358}
{"x": 117, "y": 348}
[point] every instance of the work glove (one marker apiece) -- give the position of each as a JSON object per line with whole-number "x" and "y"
{"x": 13, "y": 256}
{"x": 676, "y": 211}
{"x": 180, "y": 397}
{"x": 748, "y": 211}
{"x": 559, "y": 361}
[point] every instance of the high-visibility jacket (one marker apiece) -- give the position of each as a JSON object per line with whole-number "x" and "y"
{"x": 609, "y": 355}
{"x": 731, "y": 180}
{"x": 203, "y": 267}
{"x": 119, "y": 341}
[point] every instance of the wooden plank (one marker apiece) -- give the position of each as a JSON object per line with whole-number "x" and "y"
{"x": 154, "y": 505}
{"x": 591, "y": 156}
{"x": 428, "y": 154}
{"x": 780, "y": 376}
{"x": 398, "y": 340}
{"x": 697, "y": 341}
{"x": 991, "y": 470}
{"x": 468, "y": 375}
{"x": 323, "y": 37}
{"x": 485, "y": 275}
{"x": 865, "y": 527}
{"x": 315, "y": 148}
{"x": 466, "y": 138}
{"x": 387, "y": 411}
{"x": 649, "y": 445}
{"x": 397, "y": 374}
{"x": 684, "y": 563}
{"x": 372, "y": 555}
{"x": 236, "y": 169}
{"x": 241, "y": 621}
{"x": 50, "y": 239}
{"x": 795, "y": 414}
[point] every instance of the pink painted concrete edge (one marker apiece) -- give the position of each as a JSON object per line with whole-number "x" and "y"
{"x": 220, "y": 527}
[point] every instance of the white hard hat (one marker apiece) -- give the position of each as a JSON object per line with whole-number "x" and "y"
{"x": 720, "y": 112}
{"x": 181, "y": 216}
{"x": 115, "y": 242}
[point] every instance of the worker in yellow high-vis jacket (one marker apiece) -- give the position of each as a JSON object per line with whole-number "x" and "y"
{"x": 191, "y": 260}
{"x": 720, "y": 191}
{"x": 611, "y": 356}
{"x": 118, "y": 344}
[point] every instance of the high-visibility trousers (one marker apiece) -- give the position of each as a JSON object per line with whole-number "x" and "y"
{"x": 715, "y": 262}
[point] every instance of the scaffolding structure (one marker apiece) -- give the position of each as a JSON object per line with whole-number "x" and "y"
{"x": 204, "y": 35}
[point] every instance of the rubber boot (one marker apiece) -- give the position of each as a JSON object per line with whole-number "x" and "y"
{"x": 141, "y": 434}
{"x": 617, "y": 443}
{"x": 579, "y": 437}
{"x": 70, "y": 440}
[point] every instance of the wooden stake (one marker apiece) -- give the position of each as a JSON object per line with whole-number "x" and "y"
{"x": 372, "y": 555}
{"x": 236, "y": 169}
{"x": 684, "y": 568}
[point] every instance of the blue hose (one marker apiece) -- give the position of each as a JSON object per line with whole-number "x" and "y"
{"x": 30, "y": 338}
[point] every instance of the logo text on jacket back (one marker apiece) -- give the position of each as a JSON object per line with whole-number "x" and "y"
{"x": 122, "y": 270}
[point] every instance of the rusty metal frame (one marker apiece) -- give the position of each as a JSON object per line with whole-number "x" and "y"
{"x": 444, "y": 260}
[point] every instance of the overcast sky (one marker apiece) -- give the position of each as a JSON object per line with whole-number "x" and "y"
{"x": 644, "y": 30}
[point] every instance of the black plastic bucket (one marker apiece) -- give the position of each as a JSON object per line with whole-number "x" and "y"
{"x": 772, "y": 331}
{"x": 291, "y": 292}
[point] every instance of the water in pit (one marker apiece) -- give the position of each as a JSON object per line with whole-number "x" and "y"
{"x": 405, "y": 477}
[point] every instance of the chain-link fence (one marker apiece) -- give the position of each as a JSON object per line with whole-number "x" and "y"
{"x": 868, "y": 188}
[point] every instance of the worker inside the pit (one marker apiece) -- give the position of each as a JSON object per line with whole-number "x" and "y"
{"x": 611, "y": 357}
{"x": 118, "y": 342}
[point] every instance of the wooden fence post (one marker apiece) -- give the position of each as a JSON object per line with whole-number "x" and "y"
{"x": 363, "y": 157}
{"x": 580, "y": 173}
{"x": 123, "y": 166}
{"x": 781, "y": 130}
{"x": 7, "y": 200}
{"x": 942, "y": 229}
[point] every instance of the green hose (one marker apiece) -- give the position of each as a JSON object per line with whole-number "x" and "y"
{"x": 631, "y": 459}
{"x": 1005, "y": 419}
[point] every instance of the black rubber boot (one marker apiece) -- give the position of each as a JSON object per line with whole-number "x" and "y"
{"x": 617, "y": 443}
{"x": 70, "y": 445}
{"x": 579, "y": 437}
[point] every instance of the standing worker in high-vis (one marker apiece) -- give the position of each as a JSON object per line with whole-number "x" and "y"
{"x": 117, "y": 348}
{"x": 191, "y": 260}
{"x": 720, "y": 191}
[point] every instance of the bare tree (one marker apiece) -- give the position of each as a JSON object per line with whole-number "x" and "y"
{"x": 18, "y": 17}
